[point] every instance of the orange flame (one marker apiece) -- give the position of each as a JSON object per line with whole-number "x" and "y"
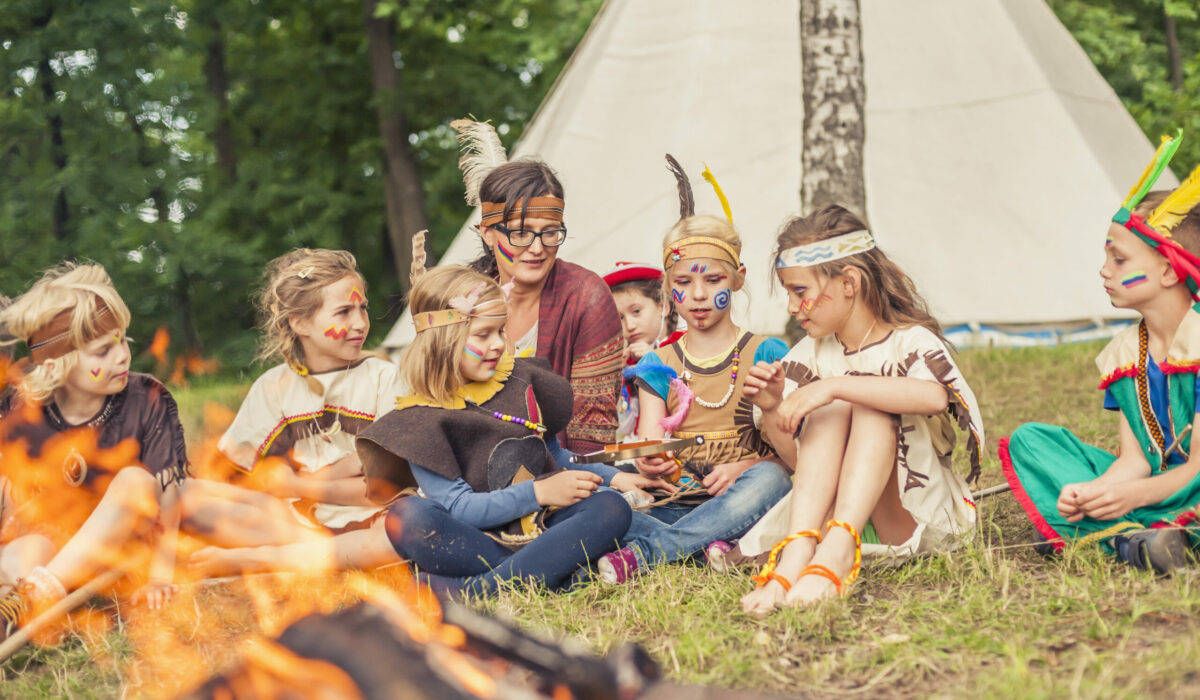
{"x": 158, "y": 346}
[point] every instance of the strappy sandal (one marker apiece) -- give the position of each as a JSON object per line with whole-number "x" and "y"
{"x": 840, "y": 584}
{"x": 768, "y": 571}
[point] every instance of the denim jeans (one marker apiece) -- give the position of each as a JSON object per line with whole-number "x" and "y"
{"x": 679, "y": 530}
{"x": 456, "y": 558}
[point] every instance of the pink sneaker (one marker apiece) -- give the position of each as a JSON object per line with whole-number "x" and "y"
{"x": 617, "y": 567}
{"x": 715, "y": 553}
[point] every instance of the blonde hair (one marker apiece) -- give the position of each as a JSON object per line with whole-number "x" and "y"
{"x": 713, "y": 227}
{"x": 430, "y": 364}
{"x": 295, "y": 283}
{"x": 67, "y": 287}
{"x": 887, "y": 290}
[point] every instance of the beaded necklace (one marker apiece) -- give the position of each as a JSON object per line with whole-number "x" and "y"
{"x": 1142, "y": 382}
{"x": 687, "y": 377}
{"x": 535, "y": 427}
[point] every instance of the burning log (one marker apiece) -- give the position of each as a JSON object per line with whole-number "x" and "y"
{"x": 469, "y": 655}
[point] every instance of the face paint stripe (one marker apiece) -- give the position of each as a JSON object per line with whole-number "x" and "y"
{"x": 1133, "y": 279}
{"x": 677, "y": 295}
{"x": 96, "y": 374}
{"x": 356, "y": 296}
{"x": 472, "y": 352}
{"x": 504, "y": 253}
{"x": 337, "y": 332}
{"x": 699, "y": 269}
{"x": 721, "y": 300}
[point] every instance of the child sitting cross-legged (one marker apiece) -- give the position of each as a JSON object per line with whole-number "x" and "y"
{"x": 1136, "y": 503}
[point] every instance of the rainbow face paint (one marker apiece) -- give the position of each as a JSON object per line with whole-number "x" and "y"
{"x": 808, "y": 305}
{"x": 337, "y": 332}
{"x": 721, "y": 300}
{"x": 1133, "y": 279}
{"x": 1108, "y": 241}
{"x": 504, "y": 252}
{"x": 472, "y": 352}
{"x": 677, "y": 295}
{"x": 97, "y": 374}
{"x": 356, "y": 296}
{"x": 699, "y": 269}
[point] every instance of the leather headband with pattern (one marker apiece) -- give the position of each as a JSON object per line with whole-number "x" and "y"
{"x": 428, "y": 320}
{"x": 53, "y": 340}
{"x": 1155, "y": 229}
{"x": 826, "y": 250}
{"x": 539, "y": 208}
{"x": 700, "y": 247}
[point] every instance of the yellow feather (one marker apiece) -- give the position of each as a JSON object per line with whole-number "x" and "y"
{"x": 1177, "y": 204}
{"x": 712, "y": 180}
{"x": 1149, "y": 167}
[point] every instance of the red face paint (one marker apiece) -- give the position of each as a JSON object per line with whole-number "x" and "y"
{"x": 337, "y": 332}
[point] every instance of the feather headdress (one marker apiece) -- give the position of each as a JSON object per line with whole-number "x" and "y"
{"x": 482, "y": 153}
{"x": 687, "y": 203}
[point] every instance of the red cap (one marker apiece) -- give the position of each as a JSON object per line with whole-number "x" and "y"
{"x": 627, "y": 271}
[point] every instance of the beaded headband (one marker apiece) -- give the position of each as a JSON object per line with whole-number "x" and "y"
{"x": 53, "y": 340}
{"x": 539, "y": 208}
{"x": 700, "y": 247}
{"x": 826, "y": 250}
{"x": 1155, "y": 230}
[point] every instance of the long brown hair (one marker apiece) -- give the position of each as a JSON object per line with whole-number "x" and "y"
{"x": 520, "y": 180}
{"x": 888, "y": 292}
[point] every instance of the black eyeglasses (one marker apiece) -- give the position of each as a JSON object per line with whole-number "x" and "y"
{"x": 521, "y": 238}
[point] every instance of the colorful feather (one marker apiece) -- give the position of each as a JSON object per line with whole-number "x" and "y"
{"x": 1175, "y": 207}
{"x": 1162, "y": 157}
{"x": 482, "y": 153}
{"x": 687, "y": 203}
{"x": 712, "y": 180}
{"x": 466, "y": 304}
{"x": 418, "y": 256}
{"x": 684, "y": 394}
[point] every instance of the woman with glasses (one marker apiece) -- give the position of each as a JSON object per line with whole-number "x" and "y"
{"x": 556, "y": 310}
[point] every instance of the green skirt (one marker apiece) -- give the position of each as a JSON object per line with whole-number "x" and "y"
{"x": 1039, "y": 460}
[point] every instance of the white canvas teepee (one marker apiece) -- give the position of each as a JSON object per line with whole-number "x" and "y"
{"x": 995, "y": 153}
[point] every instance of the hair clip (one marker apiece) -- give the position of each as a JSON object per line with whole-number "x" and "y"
{"x": 303, "y": 274}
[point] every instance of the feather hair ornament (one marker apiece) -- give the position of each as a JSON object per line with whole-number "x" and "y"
{"x": 466, "y": 304}
{"x": 684, "y": 393}
{"x": 687, "y": 203}
{"x": 482, "y": 153}
{"x": 418, "y": 256}
{"x": 712, "y": 180}
{"x": 1162, "y": 157}
{"x": 1175, "y": 207}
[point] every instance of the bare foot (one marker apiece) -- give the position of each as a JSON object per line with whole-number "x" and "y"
{"x": 763, "y": 600}
{"x": 794, "y": 557}
{"x": 836, "y": 553}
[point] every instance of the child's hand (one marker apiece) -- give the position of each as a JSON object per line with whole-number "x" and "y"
{"x": 656, "y": 466}
{"x": 1068, "y": 503}
{"x": 637, "y": 350}
{"x": 764, "y": 385}
{"x": 1105, "y": 501}
{"x": 156, "y": 594}
{"x": 723, "y": 475}
{"x": 566, "y": 488}
{"x": 626, "y": 482}
{"x": 802, "y": 402}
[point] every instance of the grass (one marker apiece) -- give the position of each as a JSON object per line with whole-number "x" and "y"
{"x": 993, "y": 619}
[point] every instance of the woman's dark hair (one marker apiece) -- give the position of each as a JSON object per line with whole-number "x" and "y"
{"x": 518, "y": 181}
{"x": 652, "y": 290}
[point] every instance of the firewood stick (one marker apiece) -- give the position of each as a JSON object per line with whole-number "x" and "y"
{"x": 990, "y": 491}
{"x": 73, "y": 600}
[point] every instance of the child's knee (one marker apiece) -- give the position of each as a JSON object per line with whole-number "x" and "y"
{"x": 137, "y": 489}
{"x": 19, "y": 557}
{"x": 409, "y": 519}
{"x": 611, "y": 509}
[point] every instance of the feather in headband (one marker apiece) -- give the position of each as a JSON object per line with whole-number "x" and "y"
{"x": 482, "y": 153}
{"x": 687, "y": 203}
{"x": 463, "y": 308}
{"x": 712, "y": 180}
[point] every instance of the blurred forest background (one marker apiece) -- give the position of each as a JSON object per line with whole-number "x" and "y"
{"x": 184, "y": 144}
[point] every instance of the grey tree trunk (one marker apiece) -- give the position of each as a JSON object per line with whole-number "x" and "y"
{"x": 1174, "y": 55}
{"x": 832, "y": 72}
{"x": 402, "y": 180}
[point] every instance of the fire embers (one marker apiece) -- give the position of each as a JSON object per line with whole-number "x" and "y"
{"x": 391, "y": 648}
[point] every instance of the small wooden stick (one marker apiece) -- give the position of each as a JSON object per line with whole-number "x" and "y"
{"x": 991, "y": 491}
{"x": 73, "y": 600}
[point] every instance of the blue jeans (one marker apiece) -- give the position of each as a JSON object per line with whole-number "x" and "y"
{"x": 678, "y": 530}
{"x": 456, "y": 558}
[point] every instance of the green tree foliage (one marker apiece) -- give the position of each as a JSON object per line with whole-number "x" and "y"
{"x": 1128, "y": 41}
{"x": 183, "y": 144}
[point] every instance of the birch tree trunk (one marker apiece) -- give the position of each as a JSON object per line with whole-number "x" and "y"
{"x": 832, "y": 72}
{"x": 405, "y": 197}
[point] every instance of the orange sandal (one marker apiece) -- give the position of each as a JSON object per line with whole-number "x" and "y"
{"x": 768, "y": 572}
{"x": 839, "y": 583}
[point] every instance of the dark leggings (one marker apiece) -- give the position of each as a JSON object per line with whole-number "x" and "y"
{"x": 456, "y": 558}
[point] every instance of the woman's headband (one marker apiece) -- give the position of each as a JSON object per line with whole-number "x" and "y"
{"x": 462, "y": 309}
{"x": 826, "y": 250}
{"x": 53, "y": 340}
{"x": 700, "y": 247}
{"x": 539, "y": 208}
{"x": 1155, "y": 229}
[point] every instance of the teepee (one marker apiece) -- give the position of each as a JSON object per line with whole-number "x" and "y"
{"x": 994, "y": 156}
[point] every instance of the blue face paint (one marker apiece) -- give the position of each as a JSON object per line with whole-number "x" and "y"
{"x": 677, "y": 295}
{"x": 721, "y": 300}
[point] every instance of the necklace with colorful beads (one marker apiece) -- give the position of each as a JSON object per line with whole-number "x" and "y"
{"x": 728, "y": 392}
{"x": 535, "y": 427}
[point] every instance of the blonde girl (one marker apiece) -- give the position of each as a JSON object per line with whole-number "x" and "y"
{"x": 693, "y": 388}
{"x": 476, "y": 434}
{"x": 91, "y": 454}
{"x": 293, "y": 437}
{"x": 874, "y": 394}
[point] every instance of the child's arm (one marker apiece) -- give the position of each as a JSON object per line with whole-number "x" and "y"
{"x": 897, "y": 395}
{"x": 653, "y": 410}
{"x": 495, "y": 508}
{"x": 764, "y": 388}
{"x": 1128, "y": 484}
{"x": 160, "y": 586}
{"x": 340, "y": 483}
